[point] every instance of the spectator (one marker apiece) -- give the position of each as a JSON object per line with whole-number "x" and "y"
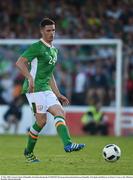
{"x": 98, "y": 85}
{"x": 94, "y": 121}
{"x": 76, "y": 19}
{"x": 13, "y": 115}
{"x": 79, "y": 89}
{"x": 7, "y": 85}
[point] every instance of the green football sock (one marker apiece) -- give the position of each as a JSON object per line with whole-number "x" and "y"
{"x": 33, "y": 136}
{"x": 62, "y": 130}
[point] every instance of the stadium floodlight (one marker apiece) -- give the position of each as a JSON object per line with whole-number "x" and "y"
{"x": 116, "y": 42}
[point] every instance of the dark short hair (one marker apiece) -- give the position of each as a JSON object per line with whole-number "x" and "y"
{"x": 46, "y": 21}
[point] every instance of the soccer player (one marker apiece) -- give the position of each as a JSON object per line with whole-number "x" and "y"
{"x": 37, "y": 65}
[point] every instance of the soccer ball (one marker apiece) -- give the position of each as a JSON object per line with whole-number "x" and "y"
{"x": 111, "y": 152}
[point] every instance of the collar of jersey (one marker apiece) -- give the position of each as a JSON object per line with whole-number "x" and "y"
{"x": 48, "y": 45}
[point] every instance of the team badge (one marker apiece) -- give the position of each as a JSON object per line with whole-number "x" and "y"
{"x": 39, "y": 107}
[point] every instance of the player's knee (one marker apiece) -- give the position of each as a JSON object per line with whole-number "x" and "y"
{"x": 61, "y": 112}
{"x": 56, "y": 110}
{"x": 41, "y": 120}
{"x": 41, "y": 123}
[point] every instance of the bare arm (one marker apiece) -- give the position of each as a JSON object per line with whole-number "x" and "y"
{"x": 55, "y": 89}
{"x": 22, "y": 65}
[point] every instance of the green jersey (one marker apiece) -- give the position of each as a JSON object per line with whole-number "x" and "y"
{"x": 42, "y": 59}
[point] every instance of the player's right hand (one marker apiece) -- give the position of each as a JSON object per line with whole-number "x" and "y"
{"x": 31, "y": 84}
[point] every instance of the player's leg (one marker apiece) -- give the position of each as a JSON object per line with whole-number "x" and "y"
{"x": 33, "y": 136}
{"x": 35, "y": 130}
{"x": 62, "y": 129}
{"x": 59, "y": 119}
{"x": 36, "y": 102}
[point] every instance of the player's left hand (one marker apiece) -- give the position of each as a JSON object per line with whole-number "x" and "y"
{"x": 63, "y": 99}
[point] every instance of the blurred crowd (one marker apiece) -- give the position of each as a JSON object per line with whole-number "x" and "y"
{"x": 83, "y": 73}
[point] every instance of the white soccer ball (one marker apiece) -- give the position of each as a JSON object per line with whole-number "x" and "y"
{"x": 111, "y": 152}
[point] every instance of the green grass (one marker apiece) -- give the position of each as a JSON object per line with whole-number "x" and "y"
{"x": 54, "y": 161}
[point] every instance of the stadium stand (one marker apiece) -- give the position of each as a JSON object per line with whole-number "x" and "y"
{"x": 74, "y": 19}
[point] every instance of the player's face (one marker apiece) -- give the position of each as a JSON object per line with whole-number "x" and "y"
{"x": 48, "y": 33}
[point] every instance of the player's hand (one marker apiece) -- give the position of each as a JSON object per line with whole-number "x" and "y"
{"x": 63, "y": 99}
{"x": 31, "y": 84}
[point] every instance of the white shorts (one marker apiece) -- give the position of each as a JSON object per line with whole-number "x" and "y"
{"x": 41, "y": 101}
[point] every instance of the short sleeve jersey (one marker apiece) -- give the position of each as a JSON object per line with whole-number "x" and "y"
{"x": 42, "y": 59}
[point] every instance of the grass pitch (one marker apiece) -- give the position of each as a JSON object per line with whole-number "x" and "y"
{"x": 54, "y": 161}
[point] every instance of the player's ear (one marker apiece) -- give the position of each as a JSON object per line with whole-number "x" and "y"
{"x": 41, "y": 31}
